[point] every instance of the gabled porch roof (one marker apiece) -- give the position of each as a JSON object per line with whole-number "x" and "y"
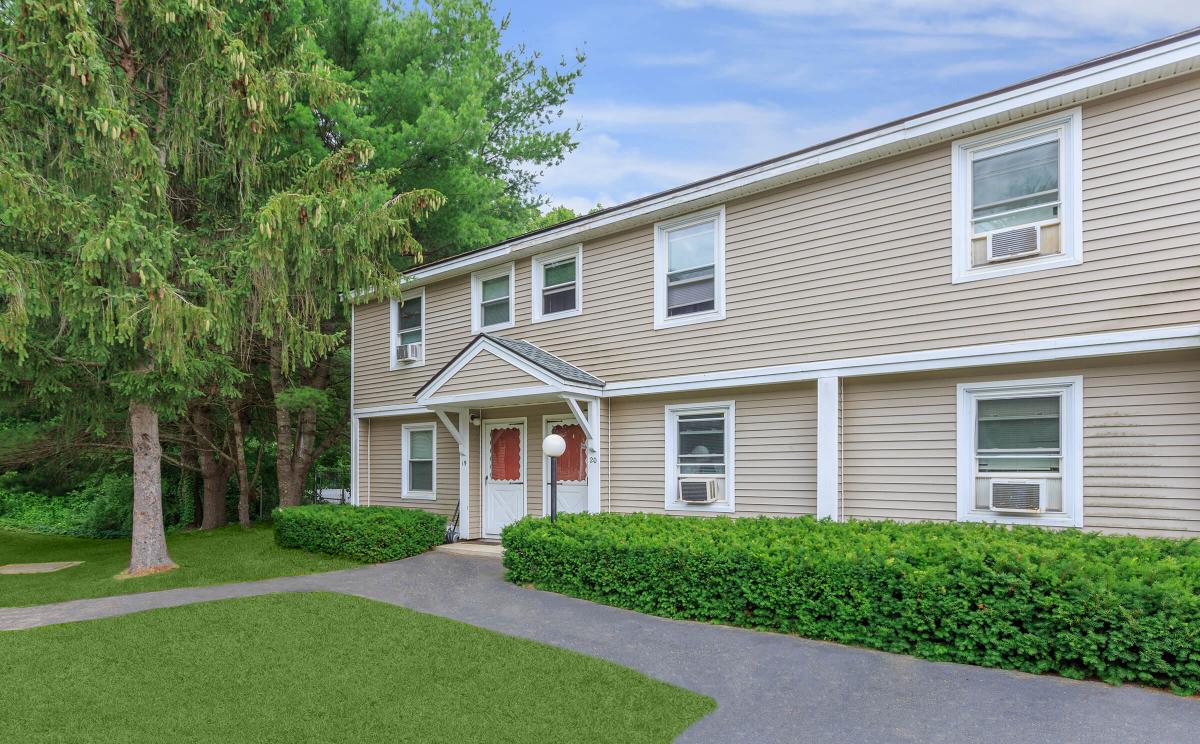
{"x": 492, "y": 370}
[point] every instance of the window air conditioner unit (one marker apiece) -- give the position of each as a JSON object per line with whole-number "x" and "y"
{"x": 697, "y": 490}
{"x": 1017, "y": 496}
{"x": 408, "y": 352}
{"x": 1018, "y": 242}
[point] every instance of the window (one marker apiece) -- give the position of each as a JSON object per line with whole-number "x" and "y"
{"x": 408, "y": 328}
{"x": 699, "y": 457}
{"x": 419, "y": 471}
{"x": 1019, "y": 452}
{"x": 689, "y": 269}
{"x": 491, "y": 299}
{"x": 558, "y": 284}
{"x": 1017, "y": 199}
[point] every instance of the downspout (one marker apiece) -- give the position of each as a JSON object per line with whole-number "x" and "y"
{"x": 368, "y": 461}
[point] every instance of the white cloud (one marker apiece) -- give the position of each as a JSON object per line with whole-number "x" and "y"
{"x": 707, "y": 139}
{"x": 1007, "y": 18}
{"x": 613, "y": 115}
{"x": 604, "y": 170}
{"x": 681, "y": 59}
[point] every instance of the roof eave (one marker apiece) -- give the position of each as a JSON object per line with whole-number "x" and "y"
{"x": 1149, "y": 63}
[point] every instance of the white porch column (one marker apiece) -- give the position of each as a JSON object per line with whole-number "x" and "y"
{"x": 464, "y": 473}
{"x": 590, "y": 421}
{"x": 828, "y": 446}
{"x": 593, "y": 455}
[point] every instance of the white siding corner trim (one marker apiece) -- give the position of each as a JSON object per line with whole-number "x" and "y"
{"x": 1071, "y": 469}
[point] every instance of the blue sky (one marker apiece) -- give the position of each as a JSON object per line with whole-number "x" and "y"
{"x": 676, "y": 90}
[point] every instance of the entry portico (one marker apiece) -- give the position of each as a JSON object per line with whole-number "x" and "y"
{"x": 513, "y": 390}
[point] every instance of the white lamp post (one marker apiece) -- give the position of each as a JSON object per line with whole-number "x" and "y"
{"x": 554, "y": 446}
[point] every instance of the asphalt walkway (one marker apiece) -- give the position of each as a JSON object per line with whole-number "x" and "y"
{"x": 768, "y": 687}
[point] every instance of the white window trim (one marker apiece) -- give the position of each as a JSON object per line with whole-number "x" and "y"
{"x": 477, "y": 280}
{"x": 1071, "y": 468}
{"x": 393, "y": 362}
{"x": 540, "y": 261}
{"x": 671, "y": 415}
{"x": 406, "y": 431}
{"x": 1068, "y": 125}
{"x": 661, "y": 320}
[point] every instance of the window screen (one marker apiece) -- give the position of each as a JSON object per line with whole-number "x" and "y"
{"x": 494, "y": 306}
{"x": 691, "y": 268}
{"x": 420, "y": 460}
{"x": 558, "y": 286}
{"x": 1015, "y": 187}
{"x": 701, "y": 443}
{"x": 409, "y": 324}
{"x": 1019, "y": 435}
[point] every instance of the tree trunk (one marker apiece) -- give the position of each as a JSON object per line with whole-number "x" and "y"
{"x": 214, "y": 470}
{"x": 148, "y": 551}
{"x": 245, "y": 487}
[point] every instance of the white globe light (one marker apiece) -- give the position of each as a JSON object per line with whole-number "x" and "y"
{"x": 554, "y": 445}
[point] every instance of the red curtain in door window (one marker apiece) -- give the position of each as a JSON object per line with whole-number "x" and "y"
{"x": 506, "y": 454}
{"x": 572, "y": 466}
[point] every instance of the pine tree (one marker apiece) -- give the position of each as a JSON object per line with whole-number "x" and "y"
{"x": 149, "y": 211}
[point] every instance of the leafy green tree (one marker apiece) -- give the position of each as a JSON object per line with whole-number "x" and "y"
{"x": 449, "y": 107}
{"x": 150, "y": 212}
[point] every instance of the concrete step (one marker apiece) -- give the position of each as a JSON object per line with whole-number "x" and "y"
{"x": 473, "y": 548}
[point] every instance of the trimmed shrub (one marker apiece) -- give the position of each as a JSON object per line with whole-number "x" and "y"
{"x": 370, "y": 534}
{"x": 1083, "y": 605}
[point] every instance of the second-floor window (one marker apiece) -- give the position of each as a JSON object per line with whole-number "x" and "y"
{"x": 557, "y": 284}
{"x": 689, "y": 269}
{"x": 408, "y": 329}
{"x": 492, "y": 299}
{"x": 1016, "y": 197}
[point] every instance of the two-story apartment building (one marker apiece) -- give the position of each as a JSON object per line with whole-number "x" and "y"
{"x": 988, "y": 311}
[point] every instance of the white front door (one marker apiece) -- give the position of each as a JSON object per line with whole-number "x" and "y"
{"x": 572, "y": 467}
{"x": 503, "y": 475}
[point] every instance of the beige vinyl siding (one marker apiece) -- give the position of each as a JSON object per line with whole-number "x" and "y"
{"x": 487, "y": 372}
{"x": 859, "y": 263}
{"x": 380, "y": 459}
{"x": 1141, "y": 448}
{"x": 775, "y": 445}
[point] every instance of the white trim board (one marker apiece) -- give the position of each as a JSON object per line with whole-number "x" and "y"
{"x": 1013, "y": 352}
{"x": 1069, "y": 88}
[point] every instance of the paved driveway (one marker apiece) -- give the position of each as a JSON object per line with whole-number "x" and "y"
{"x": 768, "y": 687}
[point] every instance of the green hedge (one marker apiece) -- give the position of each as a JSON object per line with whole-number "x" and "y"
{"x": 1121, "y": 609}
{"x": 369, "y": 534}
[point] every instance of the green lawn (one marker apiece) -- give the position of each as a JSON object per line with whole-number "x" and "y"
{"x": 319, "y": 668}
{"x": 211, "y": 557}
